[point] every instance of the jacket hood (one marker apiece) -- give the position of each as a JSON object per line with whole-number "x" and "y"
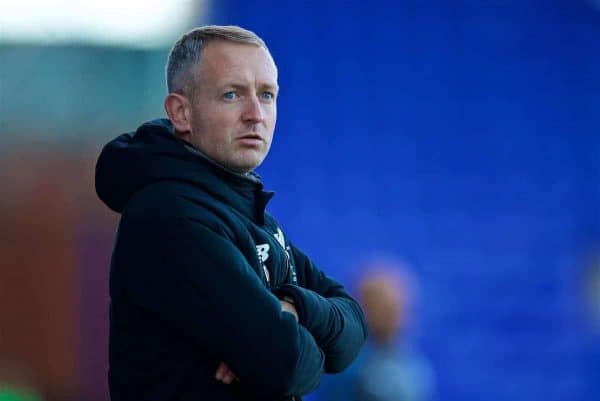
{"x": 153, "y": 153}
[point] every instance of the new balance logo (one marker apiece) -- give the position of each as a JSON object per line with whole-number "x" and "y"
{"x": 263, "y": 252}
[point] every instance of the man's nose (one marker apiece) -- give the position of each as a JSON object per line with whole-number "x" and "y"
{"x": 253, "y": 111}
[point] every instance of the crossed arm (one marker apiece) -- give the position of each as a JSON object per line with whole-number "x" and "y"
{"x": 324, "y": 307}
{"x": 224, "y": 372}
{"x": 200, "y": 281}
{"x": 196, "y": 279}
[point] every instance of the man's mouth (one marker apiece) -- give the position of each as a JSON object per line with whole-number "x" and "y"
{"x": 251, "y": 139}
{"x": 255, "y": 137}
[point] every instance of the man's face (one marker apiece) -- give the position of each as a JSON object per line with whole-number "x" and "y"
{"x": 234, "y": 105}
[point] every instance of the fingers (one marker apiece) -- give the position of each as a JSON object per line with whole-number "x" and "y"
{"x": 221, "y": 370}
{"x": 289, "y": 307}
{"x": 228, "y": 378}
{"x": 224, "y": 374}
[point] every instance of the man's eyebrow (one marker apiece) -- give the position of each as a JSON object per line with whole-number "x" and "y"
{"x": 272, "y": 87}
{"x": 240, "y": 86}
{"x": 234, "y": 85}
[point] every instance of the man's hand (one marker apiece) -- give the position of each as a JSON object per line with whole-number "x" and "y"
{"x": 224, "y": 374}
{"x": 288, "y": 306}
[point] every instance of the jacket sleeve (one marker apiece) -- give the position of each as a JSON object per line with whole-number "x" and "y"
{"x": 201, "y": 283}
{"x": 325, "y": 308}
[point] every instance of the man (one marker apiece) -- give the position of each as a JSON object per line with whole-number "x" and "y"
{"x": 389, "y": 368}
{"x": 209, "y": 299}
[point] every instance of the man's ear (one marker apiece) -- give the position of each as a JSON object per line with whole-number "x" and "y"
{"x": 178, "y": 108}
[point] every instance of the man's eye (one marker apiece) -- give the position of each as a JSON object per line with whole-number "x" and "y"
{"x": 230, "y": 95}
{"x": 268, "y": 95}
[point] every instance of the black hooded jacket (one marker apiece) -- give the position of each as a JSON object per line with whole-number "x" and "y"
{"x": 196, "y": 276}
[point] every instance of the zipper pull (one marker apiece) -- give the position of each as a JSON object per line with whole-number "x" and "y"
{"x": 266, "y": 273}
{"x": 265, "y": 270}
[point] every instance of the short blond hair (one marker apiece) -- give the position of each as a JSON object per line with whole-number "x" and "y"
{"x": 186, "y": 51}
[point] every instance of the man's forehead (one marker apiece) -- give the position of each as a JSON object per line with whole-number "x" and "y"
{"x": 224, "y": 57}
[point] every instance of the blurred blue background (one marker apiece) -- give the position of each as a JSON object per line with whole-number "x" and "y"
{"x": 461, "y": 136}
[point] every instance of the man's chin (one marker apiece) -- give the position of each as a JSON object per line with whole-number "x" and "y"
{"x": 244, "y": 167}
{"x": 249, "y": 162}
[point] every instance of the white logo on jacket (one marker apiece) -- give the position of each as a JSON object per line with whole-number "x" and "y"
{"x": 263, "y": 252}
{"x": 279, "y": 237}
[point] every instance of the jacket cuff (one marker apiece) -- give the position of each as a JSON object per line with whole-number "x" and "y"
{"x": 314, "y": 311}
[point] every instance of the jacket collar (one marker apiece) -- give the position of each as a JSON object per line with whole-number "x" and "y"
{"x": 243, "y": 192}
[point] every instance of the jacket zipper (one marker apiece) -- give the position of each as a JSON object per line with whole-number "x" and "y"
{"x": 265, "y": 271}
{"x": 290, "y": 270}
